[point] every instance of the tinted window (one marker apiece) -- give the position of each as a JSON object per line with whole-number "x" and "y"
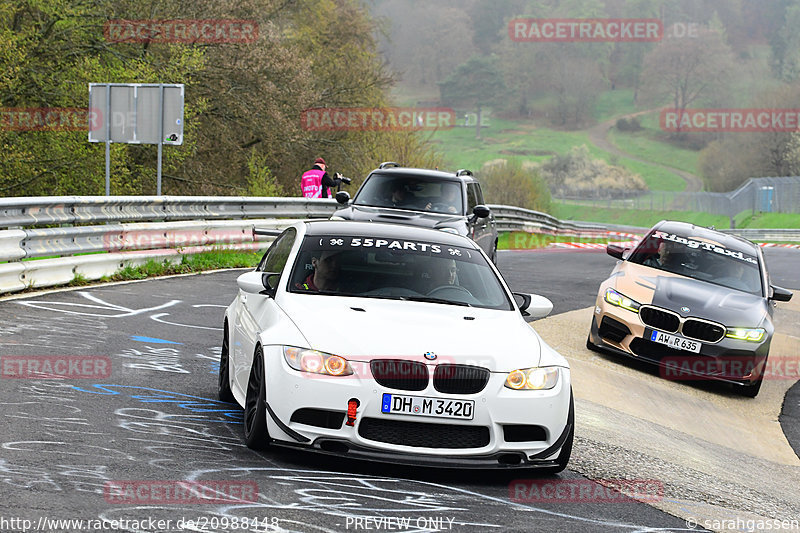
{"x": 411, "y": 192}
{"x": 700, "y": 258}
{"x": 277, "y": 255}
{"x": 398, "y": 270}
{"x": 472, "y": 196}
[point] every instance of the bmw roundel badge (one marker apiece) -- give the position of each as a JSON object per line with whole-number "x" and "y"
{"x": 430, "y": 356}
{"x": 685, "y": 309}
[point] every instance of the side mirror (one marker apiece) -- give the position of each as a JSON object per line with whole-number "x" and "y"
{"x": 615, "y": 251}
{"x": 779, "y": 294}
{"x": 343, "y": 197}
{"x": 265, "y": 283}
{"x": 481, "y": 211}
{"x": 533, "y": 305}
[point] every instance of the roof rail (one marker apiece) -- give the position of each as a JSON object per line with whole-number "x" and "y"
{"x": 387, "y": 164}
{"x": 463, "y": 172}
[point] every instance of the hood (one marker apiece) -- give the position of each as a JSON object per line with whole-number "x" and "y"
{"x": 703, "y": 300}
{"x": 361, "y": 329}
{"x": 402, "y": 216}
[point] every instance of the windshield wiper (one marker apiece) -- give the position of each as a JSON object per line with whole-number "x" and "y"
{"x": 434, "y": 300}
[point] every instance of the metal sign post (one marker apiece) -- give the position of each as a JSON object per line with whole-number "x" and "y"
{"x": 136, "y": 113}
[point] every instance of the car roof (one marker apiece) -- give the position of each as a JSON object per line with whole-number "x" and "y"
{"x": 685, "y": 229}
{"x": 425, "y": 173}
{"x": 386, "y": 231}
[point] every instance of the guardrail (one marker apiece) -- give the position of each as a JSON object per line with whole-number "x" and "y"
{"x": 76, "y": 210}
{"x": 760, "y": 235}
{"x": 510, "y": 218}
{"x": 48, "y": 241}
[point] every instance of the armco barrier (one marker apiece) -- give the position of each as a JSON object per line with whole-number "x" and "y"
{"x": 108, "y": 248}
{"x": 78, "y": 210}
{"x": 95, "y": 236}
{"x": 129, "y": 230}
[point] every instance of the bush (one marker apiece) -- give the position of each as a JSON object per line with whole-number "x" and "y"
{"x": 632, "y": 124}
{"x": 260, "y": 180}
{"x": 576, "y": 173}
{"x": 511, "y": 183}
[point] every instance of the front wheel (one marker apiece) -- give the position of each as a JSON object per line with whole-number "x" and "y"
{"x": 566, "y": 450}
{"x": 751, "y": 390}
{"x": 224, "y": 386}
{"x": 256, "y": 435}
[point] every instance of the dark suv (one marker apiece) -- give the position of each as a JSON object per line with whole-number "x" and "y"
{"x": 421, "y": 197}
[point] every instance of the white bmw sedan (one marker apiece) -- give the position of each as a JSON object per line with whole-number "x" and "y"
{"x": 397, "y": 344}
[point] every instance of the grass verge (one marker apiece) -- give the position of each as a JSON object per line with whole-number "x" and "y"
{"x": 210, "y": 260}
{"x": 635, "y": 217}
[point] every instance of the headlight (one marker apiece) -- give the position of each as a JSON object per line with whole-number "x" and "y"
{"x": 533, "y": 378}
{"x": 620, "y": 300}
{"x": 315, "y": 362}
{"x": 746, "y": 334}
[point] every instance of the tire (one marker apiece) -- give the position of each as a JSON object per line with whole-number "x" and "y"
{"x": 224, "y": 392}
{"x": 591, "y": 346}
{"x": 566, "y": 450}
{"x": 751, "y": 391}
{"x": 256, "y": 435}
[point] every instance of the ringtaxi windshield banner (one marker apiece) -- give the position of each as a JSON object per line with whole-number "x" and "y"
{"x": 707, "y": 246}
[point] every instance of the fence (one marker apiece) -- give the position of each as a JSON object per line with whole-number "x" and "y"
{"x": 765, "y": 195}
{"x": 48, "y": 241}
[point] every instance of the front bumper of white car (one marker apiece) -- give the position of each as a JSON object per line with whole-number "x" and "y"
{"x": 509, "y": 428}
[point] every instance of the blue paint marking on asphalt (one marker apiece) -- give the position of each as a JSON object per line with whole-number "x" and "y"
{"x": 194, "y": 404}
{"x": 152, "y": 340}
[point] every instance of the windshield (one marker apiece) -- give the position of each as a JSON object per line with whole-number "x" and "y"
{"x": 407, "y": 192}
{"x": 701, "y": 259}
{"x": 371, "y": 267}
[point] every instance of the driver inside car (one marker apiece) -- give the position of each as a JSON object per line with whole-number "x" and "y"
{"x": 325, "y": 276}
{"x": 440, "y": 275}
{"x": 400, "y": 196}
{"x": 447, "y": 202}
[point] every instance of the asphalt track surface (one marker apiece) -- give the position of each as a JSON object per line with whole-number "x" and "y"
{"x": 155, "y": 417}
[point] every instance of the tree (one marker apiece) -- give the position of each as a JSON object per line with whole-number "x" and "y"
{"x": 49, "y": 51}
{"x": 243, "y": 100}
{"x": 474, "y": 83}
{"x": 512, "y": 183}
{"x": 426, "y": 40}
{"x": 684, "y": 71}
{"x": 727, "y": 162}
{"x": 575, "y": 81}
{"x": 786, "y": 45}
